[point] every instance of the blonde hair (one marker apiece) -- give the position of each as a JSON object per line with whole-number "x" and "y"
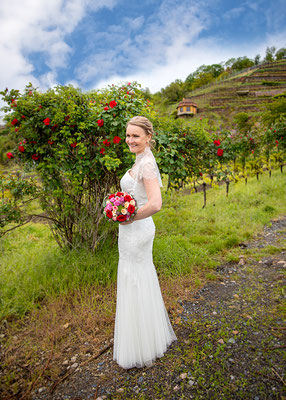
{"x": 145, "y": 124}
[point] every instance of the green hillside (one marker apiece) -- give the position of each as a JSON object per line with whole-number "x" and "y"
{"x": 248, "y": 91}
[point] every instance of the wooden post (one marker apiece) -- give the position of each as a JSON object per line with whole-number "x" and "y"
{"x": 227, "y": 186}
{"x": 205, "y": 194}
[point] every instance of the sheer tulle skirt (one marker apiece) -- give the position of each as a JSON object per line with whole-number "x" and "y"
{"x": 142, "y": 327}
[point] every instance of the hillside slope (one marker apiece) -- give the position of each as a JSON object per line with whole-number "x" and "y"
{"x": 247, "y": 92}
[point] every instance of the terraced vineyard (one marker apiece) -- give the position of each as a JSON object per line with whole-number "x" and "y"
{"x": 245, "y": 92}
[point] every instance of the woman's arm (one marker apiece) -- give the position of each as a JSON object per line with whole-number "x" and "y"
{"x": 154, "y": 202}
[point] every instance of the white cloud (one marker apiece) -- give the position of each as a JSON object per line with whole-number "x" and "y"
{"x": 234, "y": 12}
{"x": 30, "y": 26}
{"x": 135, "y": 23}
{"x": 158, "y": 44}
{"x": 183, "y": 60}
{"x": 169, "y": 47}
{"x": 152, "y": 49}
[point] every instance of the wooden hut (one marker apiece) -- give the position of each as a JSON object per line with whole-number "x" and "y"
{"x": 186, "y": 108}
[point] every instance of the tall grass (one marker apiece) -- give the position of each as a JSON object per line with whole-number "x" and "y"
{"x": 33, "y": 268}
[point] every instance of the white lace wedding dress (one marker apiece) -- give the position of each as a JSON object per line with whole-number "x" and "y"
{"x": 142, "y": 327}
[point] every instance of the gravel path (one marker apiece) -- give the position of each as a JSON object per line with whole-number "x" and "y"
{"x": 231, "y": 339}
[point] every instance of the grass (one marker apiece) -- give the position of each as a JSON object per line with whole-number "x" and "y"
{"x": 70, "y": 296}
{"x": 188, "y": 238}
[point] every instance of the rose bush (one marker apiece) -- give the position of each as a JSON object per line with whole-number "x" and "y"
{"x": 73, "y": 140}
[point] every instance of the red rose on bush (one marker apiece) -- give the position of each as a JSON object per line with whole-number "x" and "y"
{"x": 127, "y": 198}
{"x": 67, "y": 117}
{"x": 14, "y": 122}
{"x": 47, "y": 121}
{"x": 121, "y": 218}
{"x": 100, "y": 122}
{"x": 116, "y": 139}
{"x": 35, "y": 157}
{"x": 54, "y": 127}
{"x": 112, "y": 104}
{"x": 217, "y": 142}
{"x": 131, "y": 209}
{"x": 73, "y": 144}
{"x": 106, "y": 108}
{"x": 9, "y": 155}
{"x": 106, "y": 143}
{"x": 102, "y": 150}
{"x": 16, "y": 129}
{"x": 23, "y": 117}
{"x": 109, "y": 213}
{"x": 219, "y": 152}
{"x": 201, "y": 174}
{"x": 40, "y": 106}
{"x": 21, "y": 149}
{"x": 50, "y": 141}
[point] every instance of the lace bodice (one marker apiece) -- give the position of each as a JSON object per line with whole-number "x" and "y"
{"x": 145, "y": 166}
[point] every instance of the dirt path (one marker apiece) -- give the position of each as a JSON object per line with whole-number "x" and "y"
{"x": 231, "y": 339}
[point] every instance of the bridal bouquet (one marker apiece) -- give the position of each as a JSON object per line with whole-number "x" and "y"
{"x": 119, "y": 207}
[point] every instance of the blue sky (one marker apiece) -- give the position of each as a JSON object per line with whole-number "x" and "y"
{"x": 92, "y": 43}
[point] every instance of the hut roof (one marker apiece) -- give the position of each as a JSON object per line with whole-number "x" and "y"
{"x": 187, "y": 102}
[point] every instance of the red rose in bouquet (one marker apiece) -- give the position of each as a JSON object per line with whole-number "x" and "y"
{"x": 131, "y": 208}
{"x": 121, "y": 218}
{"x": 109, "y": 213}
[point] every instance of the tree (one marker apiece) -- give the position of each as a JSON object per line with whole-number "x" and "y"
{"x": 269, "y": 55}
{"x": 241, "y": 63}
{"x": 203, "y": 75}
{"x": 257, "y": 59}
{"x": 229, "y": 62}
{"x": 281, "y": 53}
{"x": 174, "y": 92}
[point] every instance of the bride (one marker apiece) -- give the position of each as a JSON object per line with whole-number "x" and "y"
{"x": 142, "y": 327}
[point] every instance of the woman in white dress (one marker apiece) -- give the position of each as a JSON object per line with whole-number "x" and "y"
{"x": 142, "y": 327}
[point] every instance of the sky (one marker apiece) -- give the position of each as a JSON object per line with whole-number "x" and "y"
{"x": 93, "y": 43}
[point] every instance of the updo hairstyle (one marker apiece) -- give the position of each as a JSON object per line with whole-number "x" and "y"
{"x": 146, "y": 125}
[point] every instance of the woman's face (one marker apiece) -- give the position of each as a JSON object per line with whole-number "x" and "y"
{"x": 136, "y": 139}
